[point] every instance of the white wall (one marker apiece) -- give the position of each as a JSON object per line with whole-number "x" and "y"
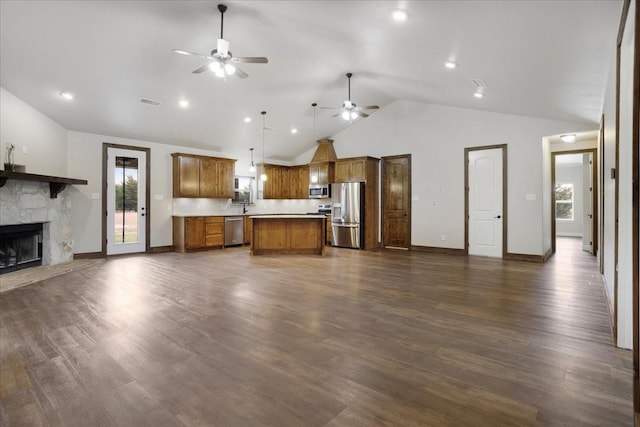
{"x": 625, "y": 181}
{"x": 571, "y": 174}
{"x": 435, "y": 136}
{"x": 609, "y": 184}
{"x": 44, "y": 140}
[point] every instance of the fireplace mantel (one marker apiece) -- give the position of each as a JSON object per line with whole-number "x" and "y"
{"x": 56, "y": 183}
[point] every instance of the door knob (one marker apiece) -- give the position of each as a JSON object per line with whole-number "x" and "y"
{"x": 498, "y": 216}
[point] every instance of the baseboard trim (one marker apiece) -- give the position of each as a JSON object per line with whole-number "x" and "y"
{"x": 160, "y": 249}
{"x": 438, "y": 250}
{"x": 547, "y": 255}
{"x": 89, "y": 255}
{"x": 525, "y": 257}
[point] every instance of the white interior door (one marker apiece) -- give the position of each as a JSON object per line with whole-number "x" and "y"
{"x": 126, "y": 196}
{"x": 587, "y": 200}
{"x": 485, "y": 202}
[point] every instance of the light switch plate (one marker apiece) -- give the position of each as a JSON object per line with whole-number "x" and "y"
{"x": 158, "y": 196}
{"x": 95, "y": 196}
{"x": 530, "y": 196}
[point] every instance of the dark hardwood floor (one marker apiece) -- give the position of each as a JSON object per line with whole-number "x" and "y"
{"x": 350, "y": 339}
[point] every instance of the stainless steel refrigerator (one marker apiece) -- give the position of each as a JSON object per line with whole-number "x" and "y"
{"x": 347, "y": 215}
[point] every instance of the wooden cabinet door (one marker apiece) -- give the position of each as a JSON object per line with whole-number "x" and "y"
{"x": 303, "y": 190}
{"x": 294, "y": 182}
{"x": 226, "y": 169}
{"x": 267, "y": 186}
{"x": 248, "y": 230}
{"x": 186, "y": 177}
{"x": 194, "y": 233}
{"x": 325, "y": 173}
{"x": 284, "y": 182}
{"x": 208, "y": 177}
{"x": 358, "y": 170}
{"x": 342, "y": 171}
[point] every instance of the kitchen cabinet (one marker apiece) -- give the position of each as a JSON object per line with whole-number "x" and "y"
{"x": 321, "y": 173}
{"x": 329, "y": 230}
{"x": 277, "y": 184}
{"x": 202, "y": 176}
{"x": 248, "y": 230}
{"x": 355, "y": 169}
{"x": 284, "y": 182}
{"x": 197, "y": 233}
{"x": 299, "y": 182}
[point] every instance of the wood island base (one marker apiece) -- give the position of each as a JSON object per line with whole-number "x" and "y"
{"x": 288, "y": 234}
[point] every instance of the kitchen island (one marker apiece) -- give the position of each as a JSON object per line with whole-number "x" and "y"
{"x": 288, "y": 234}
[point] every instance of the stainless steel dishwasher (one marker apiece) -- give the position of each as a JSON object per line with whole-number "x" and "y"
{"x": 233, "y": 230}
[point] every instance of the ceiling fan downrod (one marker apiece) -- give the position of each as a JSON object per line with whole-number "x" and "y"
{"x": 222, "y": 8}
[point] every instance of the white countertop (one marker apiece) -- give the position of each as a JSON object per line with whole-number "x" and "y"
{"x": 288, "y": 216}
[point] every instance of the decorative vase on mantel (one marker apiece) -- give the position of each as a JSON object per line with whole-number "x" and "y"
{"x": 9, "y": 164}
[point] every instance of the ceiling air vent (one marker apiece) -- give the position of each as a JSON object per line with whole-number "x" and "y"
{"x": 479, "y": 83}
{"x": 150, "y": 102}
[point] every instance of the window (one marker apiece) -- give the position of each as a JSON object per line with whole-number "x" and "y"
{"x": 564, "y": 201}
{"x": 243, "y": 189}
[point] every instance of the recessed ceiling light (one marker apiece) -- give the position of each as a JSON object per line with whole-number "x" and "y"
{"x": 478, "y": 94}
{"x": 183, "y": 103}
{"x": 450, "y": 65}
{"x": 247, "y": 119}
{"x": 66, "y": 95}
{"x": 568, "y": 137}
{"x": 294, "y": 131}
{"x": 399, "y": 15}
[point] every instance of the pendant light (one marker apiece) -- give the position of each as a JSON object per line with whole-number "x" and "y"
{"x": 314, "y": 176}
{"x": 263, "y": 176}
{"x": 252, "y": 166}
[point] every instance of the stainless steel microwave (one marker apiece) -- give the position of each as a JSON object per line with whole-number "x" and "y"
{"x": 319, "y": 191}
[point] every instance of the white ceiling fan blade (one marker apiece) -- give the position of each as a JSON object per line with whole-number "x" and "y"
{"x": 223, "y": 47}
{"x": 251, "y": 59}
{"x": 201, "y": 69}
{"x": 186, "y": 52}
{"x": 241, "y": 74}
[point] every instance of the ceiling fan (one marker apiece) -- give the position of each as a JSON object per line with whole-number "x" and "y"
{"x": 221, "y": 60}
{"x": 349, "y": 110}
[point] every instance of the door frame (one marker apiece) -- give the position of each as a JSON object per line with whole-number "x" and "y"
{"x": 595, "y": 224}
{"x": 382, "y": 169}
{"x": 105, "y": 167}
{"x": 467, "y": 150}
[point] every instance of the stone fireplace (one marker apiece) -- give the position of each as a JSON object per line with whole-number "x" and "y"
{"x": 30, "y": 202}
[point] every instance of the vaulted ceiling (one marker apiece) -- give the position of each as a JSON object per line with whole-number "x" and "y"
{"x": 538, "y": 58}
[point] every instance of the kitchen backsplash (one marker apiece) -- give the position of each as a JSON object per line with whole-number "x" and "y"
{"x": 187, "y": 207}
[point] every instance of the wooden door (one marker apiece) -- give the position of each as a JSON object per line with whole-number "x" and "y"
{"x": 225, "y": 178}
{"x": 342, "y": 171}
{"x": 396, "y": 201}
{"x": 186, "y": 176}
{"x": 485, "y": 202}
{"x": 208, "y": 177}
{"x": 358, "y": 171}
{"x": 283, "y": 172}
{"x": 194, "y": 232}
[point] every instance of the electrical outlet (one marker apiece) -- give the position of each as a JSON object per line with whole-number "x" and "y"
{"x": 95, "y": 196}
{"x": 24, "y": 149}
{"x": 443, "y": 237}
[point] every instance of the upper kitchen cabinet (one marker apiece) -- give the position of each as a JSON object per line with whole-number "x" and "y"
{"x": 299, "y": 182}
{"x": 284, "y": 182}
{"x": 356, "y": 169}
{"x": 321, "y": 173}
{"x": 202, "y": 176}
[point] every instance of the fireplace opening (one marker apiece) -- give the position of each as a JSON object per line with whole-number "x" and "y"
{"x": 20, "y": 246}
